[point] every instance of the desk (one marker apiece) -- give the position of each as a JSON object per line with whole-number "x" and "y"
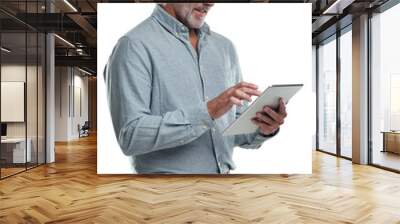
{"x": 13, "y": 150}
{"x": 391, "y": 141}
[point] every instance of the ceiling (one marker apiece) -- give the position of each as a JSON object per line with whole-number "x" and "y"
{"x": 76, "y": 22}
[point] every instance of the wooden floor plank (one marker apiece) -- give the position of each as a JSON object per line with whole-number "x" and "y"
{"x": 70, "y": 191}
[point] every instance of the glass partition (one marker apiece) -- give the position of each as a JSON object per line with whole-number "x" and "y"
{"x": 22, "y": 77}
{"x": 327, "y": 96}
{"x": 31, "y": 100}
{"x": 41, "y": 91}
{"x": 14, "y": 153}
{"x": 346, "y": 93}
{"x": 33, "y": 64}
{"x": 385, "y": 89}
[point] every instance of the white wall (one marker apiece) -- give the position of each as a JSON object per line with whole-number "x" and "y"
{"x": 80, "y": 84}
{"x": 15, "y": 72}
{"x": 269, "y": 54}
{"x": 61, "y": 103}
{"x": 33, "y": 127}
{"x": 68, "y": 83}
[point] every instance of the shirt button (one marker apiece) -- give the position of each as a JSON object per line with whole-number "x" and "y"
{"x": 204, "y": 127}
{"x": 219, "y": 164}
{"x": 206, "y": 97}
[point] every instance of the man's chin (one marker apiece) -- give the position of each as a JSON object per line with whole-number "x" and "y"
{"x": 196, "y": 26}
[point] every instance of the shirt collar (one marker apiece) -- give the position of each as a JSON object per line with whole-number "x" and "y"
{"x": 172, "y": 24}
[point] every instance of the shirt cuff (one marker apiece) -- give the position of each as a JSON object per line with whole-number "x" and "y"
{"x": 259, "y": 138}
{"x": 270, "y": 135}
{"x": 198, "y": 116}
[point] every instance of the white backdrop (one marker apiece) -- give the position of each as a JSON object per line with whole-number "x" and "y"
{"x": 273, "y": 42}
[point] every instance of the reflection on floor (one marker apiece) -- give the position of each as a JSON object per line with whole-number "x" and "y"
{"x": 11, "y": 169}
{"x": 386, "y": 159}
{"x": 346, "y": 152}
{"x": 70, "y": 191}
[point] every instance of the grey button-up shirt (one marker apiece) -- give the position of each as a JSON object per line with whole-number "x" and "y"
{"x": 158, "y": 86}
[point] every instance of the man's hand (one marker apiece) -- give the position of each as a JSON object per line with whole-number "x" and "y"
{"x": 269, "y": 120}
{"x": 232, "y": 96}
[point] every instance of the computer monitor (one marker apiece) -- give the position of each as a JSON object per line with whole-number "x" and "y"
{"x": 3, "y": 129}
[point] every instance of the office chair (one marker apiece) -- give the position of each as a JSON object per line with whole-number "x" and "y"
{"x": 84, "y": 130}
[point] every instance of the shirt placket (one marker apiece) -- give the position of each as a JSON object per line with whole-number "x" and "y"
{"x": 197, "y": 57}
{"x": 201, "y": 44}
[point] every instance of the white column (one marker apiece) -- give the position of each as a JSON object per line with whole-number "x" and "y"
{"x": 50, "y": 93}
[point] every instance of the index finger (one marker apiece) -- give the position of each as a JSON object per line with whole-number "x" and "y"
{"x": 282, "y": 107}
{"x": 250, "y": 91}
{"x": 247, "y": 84}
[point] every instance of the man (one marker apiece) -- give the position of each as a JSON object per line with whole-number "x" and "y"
{"x": 173, "y": 86}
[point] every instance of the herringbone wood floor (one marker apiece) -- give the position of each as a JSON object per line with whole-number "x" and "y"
{"x": 70, "y": 191}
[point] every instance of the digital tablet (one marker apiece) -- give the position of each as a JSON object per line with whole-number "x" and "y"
{"x": 270, "y": 97}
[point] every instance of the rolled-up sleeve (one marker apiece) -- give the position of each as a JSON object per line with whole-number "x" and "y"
{"x": 129, "y": 89}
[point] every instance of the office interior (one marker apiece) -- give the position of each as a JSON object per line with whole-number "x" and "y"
{"x": 48, "y": 107}
{"x": 357, "y": 85}
{"x": 48, "y": 82}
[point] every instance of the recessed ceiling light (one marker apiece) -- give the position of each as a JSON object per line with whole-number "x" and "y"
{"x": 84, "y": 71}
{"x": 64, "y": 40}
{"x": 5, "y": 50}
{"x": 70, "y": 5}
{"x": 338, "y": 6}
